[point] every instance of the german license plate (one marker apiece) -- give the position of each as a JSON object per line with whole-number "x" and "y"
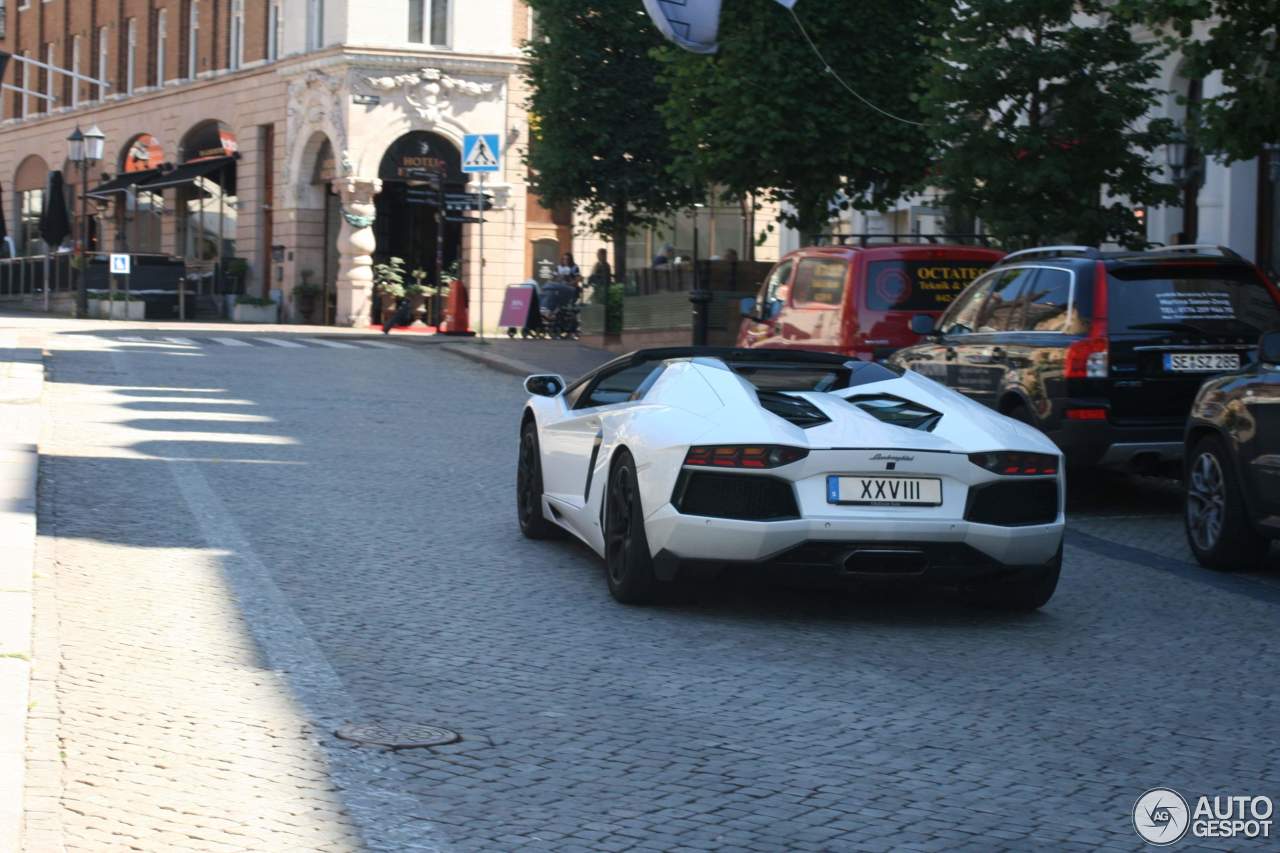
{"x": 891, "y": 491}
{"x": 1201, "y": 362}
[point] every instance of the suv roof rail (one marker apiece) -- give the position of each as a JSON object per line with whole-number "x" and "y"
{"x": 1048, "y": 251}
{"x": 911, "y": 238}
{"x": 1195, "y": 248}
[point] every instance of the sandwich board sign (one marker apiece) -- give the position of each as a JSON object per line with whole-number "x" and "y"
{"x": 119, "y": 264}
{"x": 480, "y": 152}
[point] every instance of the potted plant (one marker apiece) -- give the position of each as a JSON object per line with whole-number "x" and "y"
{"x": 305, "y": 295}
{"x": 388, "y": 283}
{"x": 419, "y": 291}
{"x": 251, "y": 309}
{"x": 235, "y": 270}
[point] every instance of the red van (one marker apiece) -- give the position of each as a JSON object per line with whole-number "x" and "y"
{"x": 858, "y": 300}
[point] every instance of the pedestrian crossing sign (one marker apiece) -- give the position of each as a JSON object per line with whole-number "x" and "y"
{"x": 480, "y": 152}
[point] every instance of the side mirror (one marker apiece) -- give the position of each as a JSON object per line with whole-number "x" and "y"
{"x": 1269, "y": 348}
{"x": 922, "y": 324}
{"x": 747, "y": 306}
{"x": 544, "y": 385}
{"x": 774, "y": 310}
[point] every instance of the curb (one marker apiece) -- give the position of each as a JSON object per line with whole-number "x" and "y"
{"x": 21, "y": 384}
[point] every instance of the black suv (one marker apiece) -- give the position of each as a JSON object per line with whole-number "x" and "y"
{"x": 1233, "y": 463}
{"x": 1103, "y": 351}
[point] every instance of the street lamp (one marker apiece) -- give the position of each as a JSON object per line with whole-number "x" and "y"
{"x": 1176, "y": 153}
{"x": 84, "y": 149}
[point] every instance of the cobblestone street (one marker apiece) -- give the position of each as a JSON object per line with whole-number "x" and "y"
{"x": 244, "y": 546}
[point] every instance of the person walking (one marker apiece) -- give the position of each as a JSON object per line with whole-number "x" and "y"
{"x": 569, "y": 273}
{"x": 601, "y": 276}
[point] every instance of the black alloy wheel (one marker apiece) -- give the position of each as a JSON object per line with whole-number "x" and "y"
{"x": 1217, "y": 520}
{"x": 529, "y": 486}
{"x": 628, "y": 563}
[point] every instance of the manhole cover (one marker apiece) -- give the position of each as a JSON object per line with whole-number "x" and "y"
{"x": 397, "y": 736}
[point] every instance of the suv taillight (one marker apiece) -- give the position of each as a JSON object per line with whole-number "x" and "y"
{"x": 1087, "y": 359}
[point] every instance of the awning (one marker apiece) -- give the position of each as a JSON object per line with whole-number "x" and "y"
{"x": 188, "y": 172}
{"x": 122, "y": 182}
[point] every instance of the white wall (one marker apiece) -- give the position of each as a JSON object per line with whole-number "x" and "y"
{"x": 475, "y": 26}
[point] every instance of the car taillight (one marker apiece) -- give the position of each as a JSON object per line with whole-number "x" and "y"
{"x": 1086, "y": 414}
{"x": 1013, "y": 462}
{"x": 1087, "y": 359}
{"x": 743, "y": 455}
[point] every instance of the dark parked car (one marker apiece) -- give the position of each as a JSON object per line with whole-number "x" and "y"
{"x": 1233, "y": 463}
{"x": 1103, "y": 351}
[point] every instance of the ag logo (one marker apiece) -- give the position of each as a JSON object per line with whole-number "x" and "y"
{"x": 1161, "y": 816}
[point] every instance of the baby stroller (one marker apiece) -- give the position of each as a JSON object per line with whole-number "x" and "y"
{"x": 558, "y": 306}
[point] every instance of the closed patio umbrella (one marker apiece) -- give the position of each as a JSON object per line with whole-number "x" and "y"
{"x": 55, "y": 219}
{"x": 4, "y": 233}
{"x": 55, "y": 222}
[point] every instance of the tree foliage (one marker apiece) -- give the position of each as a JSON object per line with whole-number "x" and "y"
{"x": 596, "y": 137}
{"x": 1240, "y": 39}
{"x": 763, "y": 117}
{"x": 1038, "y": 110}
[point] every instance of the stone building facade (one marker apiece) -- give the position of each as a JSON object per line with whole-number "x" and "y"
{"x": 283, "y": 133}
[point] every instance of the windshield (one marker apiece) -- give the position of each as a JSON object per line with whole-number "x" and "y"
{"x": 1198, "y": 300}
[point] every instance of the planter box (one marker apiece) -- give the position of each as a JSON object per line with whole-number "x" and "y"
{"x": 98, "y": 308}
{"x": 255, "y": 313}
{"x": 122, "y": 310}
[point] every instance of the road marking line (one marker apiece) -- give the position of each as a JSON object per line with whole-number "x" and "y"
{"x": 379, "y": 344}
{"x": 183, "y": 341}
{"x": 134, "y": 339}
{"x": 275, "y": 342}
{"x": 322, "y": 342}
{"x": 232, "y": 342}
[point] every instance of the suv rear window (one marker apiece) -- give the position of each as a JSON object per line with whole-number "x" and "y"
{"x": 1200, "y": 300}
{"x": 919, "y": 285}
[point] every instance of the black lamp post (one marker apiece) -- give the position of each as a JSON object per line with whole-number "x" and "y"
{"x": 84, "y": 149}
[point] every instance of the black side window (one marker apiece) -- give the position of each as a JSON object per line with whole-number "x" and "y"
{"x": 1003, "y": 311}
{"x": 619, "y": 386}
{"x": 962, "y": 317}
{"x": 1048, "y": 305}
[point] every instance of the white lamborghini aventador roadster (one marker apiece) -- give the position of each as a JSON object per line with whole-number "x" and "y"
{"x": 808, "y": 462}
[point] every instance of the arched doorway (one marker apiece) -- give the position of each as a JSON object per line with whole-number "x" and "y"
{"x": 317, "y": 249}
{"x": 139, "y": 212}
{"x": 416, "y": 169}
{"x": 28, "y": 204}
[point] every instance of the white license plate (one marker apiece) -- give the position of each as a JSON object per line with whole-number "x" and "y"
{"x": 1201, "y": 362}
{"x": 891, "y": 491}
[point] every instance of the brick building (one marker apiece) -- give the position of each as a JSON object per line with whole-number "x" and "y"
{"x": 287, "y": 135}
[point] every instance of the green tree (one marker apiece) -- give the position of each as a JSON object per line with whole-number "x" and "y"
{"x": 596, "y": 138}
{"x": 1239, "y": 39}
{"x": 762, "y": 116}
{"x": 1038, "y": 110}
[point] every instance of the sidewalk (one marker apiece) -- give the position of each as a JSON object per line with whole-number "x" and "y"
{"x": 21, "y": 380}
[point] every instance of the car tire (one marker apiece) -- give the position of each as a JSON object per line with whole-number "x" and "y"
{"x": 628, "y": 563}
{"x": 1215, "y": 516}
{"x": 1026, "y": 590}
{"x": 529, "y": 486}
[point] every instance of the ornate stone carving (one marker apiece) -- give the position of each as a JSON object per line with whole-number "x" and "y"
{"x": 316, "y": 102}
{"x": 429, "y": 90}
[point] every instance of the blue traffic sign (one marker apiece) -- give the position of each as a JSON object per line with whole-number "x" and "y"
{"x": 480, "y": 152}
